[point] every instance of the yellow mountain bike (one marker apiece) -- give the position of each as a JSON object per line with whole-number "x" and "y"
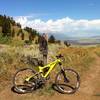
{"x": 26, "y": 80}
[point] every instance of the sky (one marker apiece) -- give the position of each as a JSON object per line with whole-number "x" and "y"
{"x": 76, "y": 18}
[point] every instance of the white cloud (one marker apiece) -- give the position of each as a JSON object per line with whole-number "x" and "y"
{"x": 68, "y": 26}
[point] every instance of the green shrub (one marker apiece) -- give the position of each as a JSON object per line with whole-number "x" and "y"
{"x": 5, "y": 40}
{"x": 27, "y": 42}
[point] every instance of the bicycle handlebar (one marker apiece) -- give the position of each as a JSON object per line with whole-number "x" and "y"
{"x": 59, "y": 56}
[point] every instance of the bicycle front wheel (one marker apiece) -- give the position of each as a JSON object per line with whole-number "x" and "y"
{"x": 67, "y": 81}
{"x": 19, "y": 82}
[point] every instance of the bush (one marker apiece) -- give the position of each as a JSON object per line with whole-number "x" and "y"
{"x": 5, "y": 40}
{"x": 58, "y": 42}
{"x": 67, "y": 44}
{"x": 51, "y": 39}
{"x": 28, "y": 42}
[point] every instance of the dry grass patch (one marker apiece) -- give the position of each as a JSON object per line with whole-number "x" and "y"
{"x": 78, "y": 58}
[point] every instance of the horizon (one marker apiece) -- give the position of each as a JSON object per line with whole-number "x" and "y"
{"x": 64, "y": 17}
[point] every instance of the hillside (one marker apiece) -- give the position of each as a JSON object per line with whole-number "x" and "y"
{"x": 11, "y": 32}
{"x": 84, "y": 60}
{"x": 14, "y": 53}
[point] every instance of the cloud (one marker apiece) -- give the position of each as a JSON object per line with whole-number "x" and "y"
{"x": 66, "y": 26}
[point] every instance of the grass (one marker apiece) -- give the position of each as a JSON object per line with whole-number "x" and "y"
{"x": 79, "y": 58}
{"x": 97, "y": 94}
{"x": 46, "y": 90}
{"x": 97, "y": 51}
{"x": 5, "y": 40}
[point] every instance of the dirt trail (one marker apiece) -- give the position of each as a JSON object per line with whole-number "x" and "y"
{"x": 88, "y": 89}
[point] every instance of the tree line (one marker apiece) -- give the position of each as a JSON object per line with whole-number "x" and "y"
{"x": 7, "y": 23}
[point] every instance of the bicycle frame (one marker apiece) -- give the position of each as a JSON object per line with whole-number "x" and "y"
{"x": 32, "y": 80}
{"x": 50, "y": 67}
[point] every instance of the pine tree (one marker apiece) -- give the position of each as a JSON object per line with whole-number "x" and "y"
{"x": 6, "y": 28}
{"x": 52, "y": 39}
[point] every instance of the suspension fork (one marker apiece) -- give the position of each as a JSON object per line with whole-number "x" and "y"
{"x": 65, "y": 77}
{"x": 63, "y": 72}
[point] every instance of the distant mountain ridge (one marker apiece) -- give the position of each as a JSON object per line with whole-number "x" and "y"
{"x": 79, "y": 40}
{"x": 86, "y": 41}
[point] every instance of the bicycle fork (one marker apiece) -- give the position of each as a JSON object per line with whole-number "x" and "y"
{"x": 65, "y": 77}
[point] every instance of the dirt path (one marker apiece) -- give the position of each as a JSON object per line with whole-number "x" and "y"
{"x": 90, "y": 86}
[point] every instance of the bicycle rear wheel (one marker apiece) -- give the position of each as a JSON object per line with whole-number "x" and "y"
{"x": 67, "y": 81}
{"x": 19, "y": 82}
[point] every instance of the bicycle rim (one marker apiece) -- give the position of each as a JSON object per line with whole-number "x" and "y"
{"x": 72, "y": 85}
{"x": 20, "y": 86}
